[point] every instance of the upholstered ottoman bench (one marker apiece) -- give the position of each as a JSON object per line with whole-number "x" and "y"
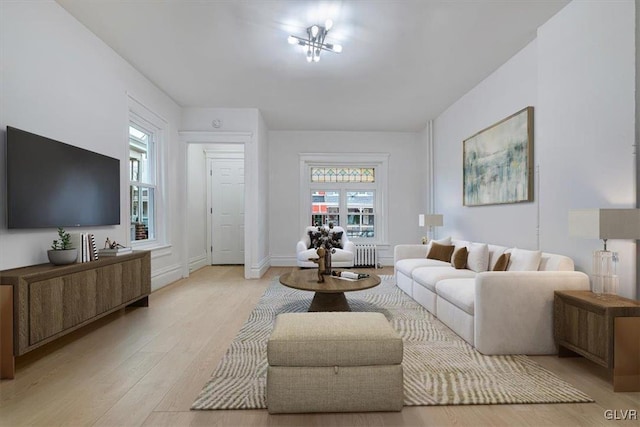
{"x": 334, "y": 362}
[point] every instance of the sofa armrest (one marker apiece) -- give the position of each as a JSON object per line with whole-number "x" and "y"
{"x": 349, "y": 246}
{"x": 301, "y": 246}
{"x": 513, "y": 311}
{"x": 409, "y": 251}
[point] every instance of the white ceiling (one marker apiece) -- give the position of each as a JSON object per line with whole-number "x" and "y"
{"x": 403, "y": 63}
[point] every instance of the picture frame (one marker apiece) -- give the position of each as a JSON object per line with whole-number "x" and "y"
{"x": 497, "y": 162}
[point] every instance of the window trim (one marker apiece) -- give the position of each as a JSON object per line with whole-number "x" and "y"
{"x": 147, "y": 120}
{"x": 380, "y": 161}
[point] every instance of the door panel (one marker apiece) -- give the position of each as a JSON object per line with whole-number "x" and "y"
{"x": 227, "y": 202}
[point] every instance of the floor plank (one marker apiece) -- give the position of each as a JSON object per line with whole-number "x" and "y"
{"x": 145, "y": 366}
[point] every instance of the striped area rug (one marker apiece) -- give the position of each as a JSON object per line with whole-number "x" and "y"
{"x": 439, "y": 367}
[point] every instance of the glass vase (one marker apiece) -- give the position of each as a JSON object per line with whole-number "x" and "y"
{"x": 605, "y": 278}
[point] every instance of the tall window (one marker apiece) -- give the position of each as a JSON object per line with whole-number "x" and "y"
{"x": 350, "y": 203}
{"x": 142, "y": 183}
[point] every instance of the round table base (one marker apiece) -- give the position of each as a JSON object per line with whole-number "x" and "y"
{"x": 329, "y": 302}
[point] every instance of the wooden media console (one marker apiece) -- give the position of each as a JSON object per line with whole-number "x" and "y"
{"x": 50, "y": 301}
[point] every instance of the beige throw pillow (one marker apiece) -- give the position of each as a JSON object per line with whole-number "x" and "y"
{"x": 478, "y": 258}
{"x": 524, "y": 260}
{"x": 441, "y": 252}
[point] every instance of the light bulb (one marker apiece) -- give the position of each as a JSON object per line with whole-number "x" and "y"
{"x": 314, "y": 30}
{"x": 328, "y": 24}
{"x": 292, "y": 40}
{"x": 316, "y": 58}
{"x": 308, "y": 58}
{"x": 337, "y": 48}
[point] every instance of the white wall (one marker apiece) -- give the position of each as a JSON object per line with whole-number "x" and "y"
{"x": 579, "y": 74}
{"x": 586, "y": 119}
{"x": 509, "y": 89}
{"x": 59, "y": 80}
{"x": 406, "y": 189}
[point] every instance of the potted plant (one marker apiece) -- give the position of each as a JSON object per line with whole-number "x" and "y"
{"x": 61, "y": 251}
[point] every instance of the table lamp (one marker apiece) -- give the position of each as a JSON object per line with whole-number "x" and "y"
{"x": 431, "y": 220}
{"x": 605, "y": 224}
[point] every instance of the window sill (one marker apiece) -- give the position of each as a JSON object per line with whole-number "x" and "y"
{"x": 157, "y": 249}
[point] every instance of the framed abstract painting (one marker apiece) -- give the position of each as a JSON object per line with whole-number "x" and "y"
{"x": 497, "y": 162}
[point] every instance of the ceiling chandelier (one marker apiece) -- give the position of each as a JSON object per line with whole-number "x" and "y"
{"x": 314, "y": 43}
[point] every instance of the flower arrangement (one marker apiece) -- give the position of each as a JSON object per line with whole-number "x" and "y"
{"x": 325, "y": 238}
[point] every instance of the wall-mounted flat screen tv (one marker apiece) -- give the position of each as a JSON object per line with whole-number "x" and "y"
{"x": 52, "y": 184}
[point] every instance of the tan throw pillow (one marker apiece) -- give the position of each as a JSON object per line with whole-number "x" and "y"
{"x": 459, "y": 258}
{"x": 440, "y": 252}
{"x": 502, "y": 263}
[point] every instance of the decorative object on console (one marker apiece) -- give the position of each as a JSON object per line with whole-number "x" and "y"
{"x": 314, "y": 43}
{"x": 62, "y": 251}
{"x": 605, "y": 224}
{"x": 497, "y": 162}
{"x": 430, "y": 220}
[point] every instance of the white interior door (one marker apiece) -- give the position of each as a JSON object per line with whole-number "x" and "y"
{"x": 227, "y": 211}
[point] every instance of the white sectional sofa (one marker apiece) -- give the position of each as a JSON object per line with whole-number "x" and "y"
{"x": 498, "y": 312}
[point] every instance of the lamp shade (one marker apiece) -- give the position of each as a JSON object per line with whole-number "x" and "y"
{"x": 433, "y": 220}
{"x": 605, "y": 223}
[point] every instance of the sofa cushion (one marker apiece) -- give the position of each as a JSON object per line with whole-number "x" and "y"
{"x": 553, "y": 262}
{"x": 441, "y": 252}
{"x": 478, "y": 258}
{"x": 406, "y": 266}
{"x": 459, "y": 258}
{"x": 494, "y": 253}
{"x": 339, "y": 256}
{"x": 502, "y": 263}
{"x": 429, "y": 276}
{"x": 333, "y": 339}
{"x": 459, "y": 292}
{"x": 524, "y": 260}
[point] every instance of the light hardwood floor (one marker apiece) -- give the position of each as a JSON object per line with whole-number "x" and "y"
{"x": 145, "y": 366}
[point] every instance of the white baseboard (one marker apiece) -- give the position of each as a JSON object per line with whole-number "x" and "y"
{"x": 198, "y": 262}
{"x": 284, "y": 261}
{"x": 291, "y": 261}
{"x": 164, "y": 276}
{"x": 257, "y": 271}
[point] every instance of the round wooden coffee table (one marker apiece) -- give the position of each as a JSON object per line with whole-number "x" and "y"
{"x": 329, "y": 296}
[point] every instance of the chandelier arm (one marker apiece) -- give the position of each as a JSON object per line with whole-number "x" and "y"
{"x": 315, "y": 44}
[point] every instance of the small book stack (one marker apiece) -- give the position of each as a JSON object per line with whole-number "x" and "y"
{"x": 114, "y": 251}
{"x": 86, "y": 245}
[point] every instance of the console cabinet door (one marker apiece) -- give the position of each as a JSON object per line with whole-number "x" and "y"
{"x": 109, "y": 288}
{"x": 131, "y": 280}
{"x": 45, "y": 317}
{"x": 79, "y": 298}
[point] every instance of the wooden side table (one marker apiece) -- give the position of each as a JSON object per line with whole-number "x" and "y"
{"x": 605, "y": 330}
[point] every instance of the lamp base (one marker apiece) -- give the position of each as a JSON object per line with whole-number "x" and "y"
{"x": 604, "y": 278}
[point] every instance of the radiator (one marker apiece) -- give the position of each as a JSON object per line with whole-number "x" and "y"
{"x": 366, "y": 256}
